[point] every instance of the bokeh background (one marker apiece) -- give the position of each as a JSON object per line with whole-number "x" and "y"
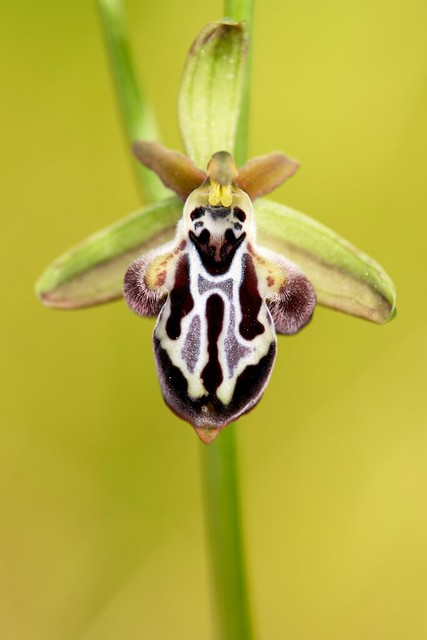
{"x": 102, "y": 531}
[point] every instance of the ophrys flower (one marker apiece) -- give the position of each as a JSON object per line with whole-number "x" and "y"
{"x": 217, "y": 288}
{"x": 220, "y": 299}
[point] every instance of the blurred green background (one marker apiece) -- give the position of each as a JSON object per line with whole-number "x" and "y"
{"x": 102, "y": 533}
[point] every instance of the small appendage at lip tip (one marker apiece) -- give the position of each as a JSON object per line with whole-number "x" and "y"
{"x": 207, "y": 434}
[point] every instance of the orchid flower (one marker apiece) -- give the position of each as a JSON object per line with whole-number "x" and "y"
{"x": 223, "y": 269}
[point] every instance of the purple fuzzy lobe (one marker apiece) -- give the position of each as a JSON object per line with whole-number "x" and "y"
{"x": 292, "y": 307}
{"x": 144, "y": 301}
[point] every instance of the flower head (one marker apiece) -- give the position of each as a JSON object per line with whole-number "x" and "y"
{"x": 219, "y": 298}
{"x": 227, "y": 270}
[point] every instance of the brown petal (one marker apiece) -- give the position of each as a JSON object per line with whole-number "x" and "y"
{"x": 175, "y": 170}
{"x": 263, "y": 174}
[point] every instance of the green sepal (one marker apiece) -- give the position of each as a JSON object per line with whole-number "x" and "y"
{"x": 211, "y": 90}
{"x": 344, "y": 277}
{"x": 92, "y": 272}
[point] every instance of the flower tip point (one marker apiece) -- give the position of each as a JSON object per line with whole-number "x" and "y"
{"x": 207, "y": 434}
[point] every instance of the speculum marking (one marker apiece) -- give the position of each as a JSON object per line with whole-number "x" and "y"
{"x": 191, "y": 349}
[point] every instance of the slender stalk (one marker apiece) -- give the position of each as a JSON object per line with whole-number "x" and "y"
{"x": 239, "y": 10}
{"x": 219, "y": 462}
{"x": 224, "y": 529}
{"x": 137, "y": 117}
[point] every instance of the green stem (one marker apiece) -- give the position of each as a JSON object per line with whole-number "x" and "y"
{"x": 138, "y": 119}
{"x": 219, "y": 461}
{"x": 220, "y": 471}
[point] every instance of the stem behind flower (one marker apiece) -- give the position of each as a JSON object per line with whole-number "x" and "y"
{"x": 138, "y": 118}
{"x": 224, "y": 529}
